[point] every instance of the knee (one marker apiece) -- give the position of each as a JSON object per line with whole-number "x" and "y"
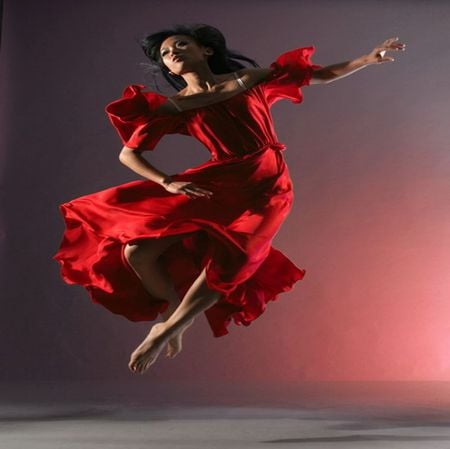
{"x": 137, "y": 254}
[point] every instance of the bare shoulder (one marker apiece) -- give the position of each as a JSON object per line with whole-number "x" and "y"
{"x": 254, "y": 75}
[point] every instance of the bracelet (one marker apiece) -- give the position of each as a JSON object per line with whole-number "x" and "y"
{"x": 240, "y": 81}
{"x": 167, "y": 180}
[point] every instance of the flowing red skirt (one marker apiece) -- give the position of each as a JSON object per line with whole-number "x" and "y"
{"x": 229, "y": 235}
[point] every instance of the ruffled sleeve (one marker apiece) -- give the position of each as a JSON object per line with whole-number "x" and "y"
{"x": 291, "y": 70}
{"x": 134, "y": 119}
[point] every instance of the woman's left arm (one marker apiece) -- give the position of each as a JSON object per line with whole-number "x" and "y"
{"x": 335, "y": 72}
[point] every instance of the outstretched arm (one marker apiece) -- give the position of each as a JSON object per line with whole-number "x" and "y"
{"x": 335, "y": 72}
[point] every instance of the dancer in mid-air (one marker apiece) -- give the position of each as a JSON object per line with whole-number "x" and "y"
{"x": 200, "y": 240}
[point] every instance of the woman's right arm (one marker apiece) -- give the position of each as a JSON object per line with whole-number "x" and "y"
{"x": 133, "y": 160}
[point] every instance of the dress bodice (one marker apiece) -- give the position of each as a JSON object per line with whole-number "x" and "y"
{"x": 233, "y": 127}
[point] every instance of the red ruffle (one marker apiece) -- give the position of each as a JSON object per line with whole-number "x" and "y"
{"x": 133, "y": 117}
{"x": 291, "y": 70}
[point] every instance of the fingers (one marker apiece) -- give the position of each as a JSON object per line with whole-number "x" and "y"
{"x": 389, "y": 44}
{"x": 190, "y": 189}
{"x": 194, "y": 191}
{"x": 392, "y": 44}
{"x": 389, "y": 41}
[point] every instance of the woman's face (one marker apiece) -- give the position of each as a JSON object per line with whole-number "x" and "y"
{"x": 181, "y": 52}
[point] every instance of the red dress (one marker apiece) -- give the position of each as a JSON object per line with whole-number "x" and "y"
{"x": 231, "y": 231}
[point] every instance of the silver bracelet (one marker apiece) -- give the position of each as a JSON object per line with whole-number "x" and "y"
{"x": 240, "y": 81}
{"x": 167, "y": 180}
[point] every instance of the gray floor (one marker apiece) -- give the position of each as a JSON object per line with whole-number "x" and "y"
{"x": 72, "y": 421}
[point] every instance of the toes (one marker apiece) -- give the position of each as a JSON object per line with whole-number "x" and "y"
{"x": 132, "y": 368}
{"x": 145, "y": 366}
{"x": 171, "y": 353}
{"x": 134, "y": 365}
{"x": 140, "y": 366}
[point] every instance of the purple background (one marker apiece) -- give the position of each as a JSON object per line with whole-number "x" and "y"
{"x": 369, "y": 156}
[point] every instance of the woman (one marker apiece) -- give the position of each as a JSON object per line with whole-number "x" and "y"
{"x": 197, "y": 241}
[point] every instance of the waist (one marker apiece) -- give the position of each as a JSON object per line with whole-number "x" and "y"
{"x": 276, "y": 146}
{"x": 265, "y": 162}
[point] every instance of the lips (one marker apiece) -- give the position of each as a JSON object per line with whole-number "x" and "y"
{"x": 177, "y": 59}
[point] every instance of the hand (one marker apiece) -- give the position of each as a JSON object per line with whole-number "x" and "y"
{"x": 376, "y": 56}
{"x": 187, "y": 188}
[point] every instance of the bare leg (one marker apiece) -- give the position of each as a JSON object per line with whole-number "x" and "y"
{"x": 143, "y": 259}
{"x": 198, "y": 298}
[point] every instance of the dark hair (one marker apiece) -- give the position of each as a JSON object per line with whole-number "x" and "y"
{"x": 222, "y": 61}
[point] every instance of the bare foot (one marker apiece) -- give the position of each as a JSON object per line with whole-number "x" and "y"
{"x": 175, "y": 343}
{"x": 148, "y": 351}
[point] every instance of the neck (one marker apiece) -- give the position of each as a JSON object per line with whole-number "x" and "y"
{"x": 200, "y": 80}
